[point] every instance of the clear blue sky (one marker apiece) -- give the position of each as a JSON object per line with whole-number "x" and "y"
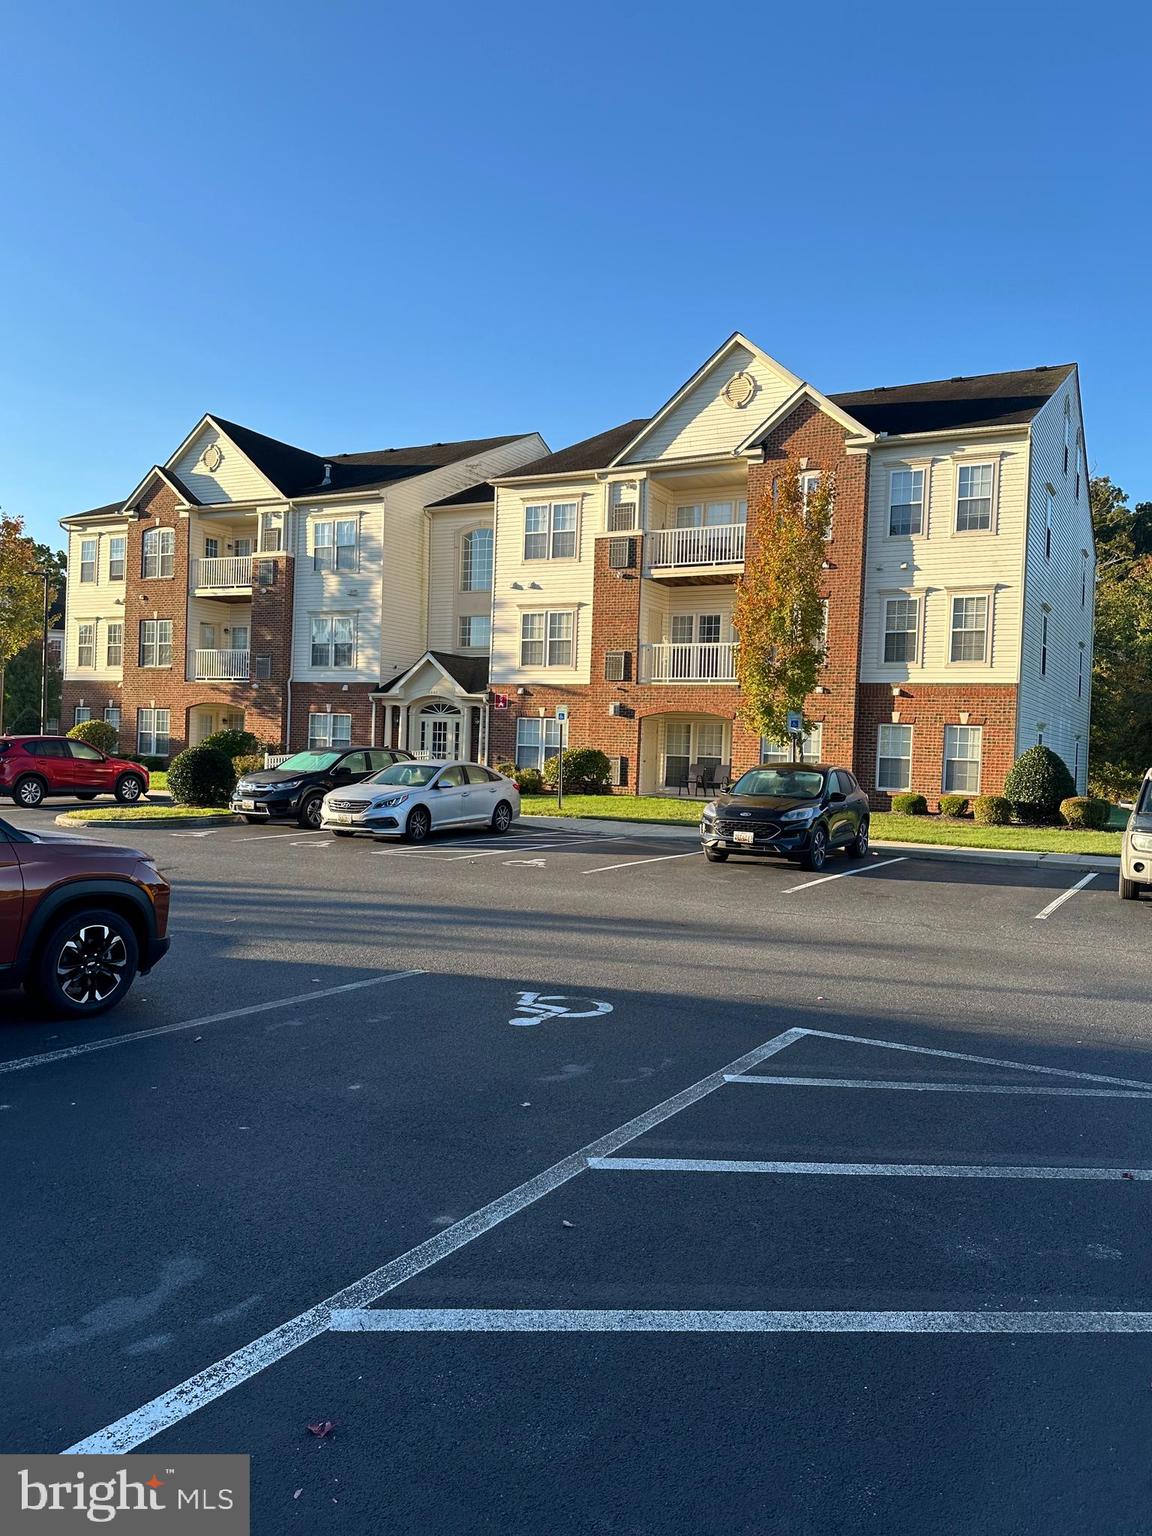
{"x": 353, "y": 225}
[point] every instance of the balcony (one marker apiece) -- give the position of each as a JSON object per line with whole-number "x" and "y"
{"x": 710, "y": 662}
{"x": 230, "y": 574}
{"x": 221, "y": 666}
{"x": 711, "y": 545}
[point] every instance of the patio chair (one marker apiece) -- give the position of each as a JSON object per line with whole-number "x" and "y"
{"x": 719, "y": 776}
{"x": 697, "y": 778}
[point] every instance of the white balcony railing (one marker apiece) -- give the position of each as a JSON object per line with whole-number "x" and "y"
{"x": 221, "y": 666}
{"x": 711, "y": 662}
{"x": 225, "y": 573}
{"x": 718, "y": 544}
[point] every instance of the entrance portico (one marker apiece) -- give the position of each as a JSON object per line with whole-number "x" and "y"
{"x": 438, "y": 708}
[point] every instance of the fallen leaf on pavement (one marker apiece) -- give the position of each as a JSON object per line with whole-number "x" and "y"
{"x": 321, "y": 1428}
{"x": 567, "y": 1223}
{"x": 298, "y": 1492}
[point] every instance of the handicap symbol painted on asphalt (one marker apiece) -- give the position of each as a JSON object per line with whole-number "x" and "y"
{"x": 540, "y": 1008}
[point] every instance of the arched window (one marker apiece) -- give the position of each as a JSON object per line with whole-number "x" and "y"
{"x": 476, "y": 561}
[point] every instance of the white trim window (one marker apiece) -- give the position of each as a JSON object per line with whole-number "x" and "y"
{"x": 475, "y": 632}
{"x": 548, "y": 639}
{"x": 89, "y": 549}
{"x": 86, "y": 645}
{"x": 80, "y": 714}
{"x": 963, "y": 748}
{"x": 117, "y": 556}
{"x": 536, "y": 740}
{"x": 974, "y": 488}
{"x": 152, "y": 732}
{"x": 968, "y": 635}
{"x": 330, "y": 730}
{"x": 112, "y": 717}
{"x": 710, "y": 514}
{"x": 158, "y": 554}
{"x": 905, "y": 502}
{"x": 476, "y": 561}
{"x": 156, "y": 643}
{"x": 901, "y": 629}
{"x": 550, "y": 530}
{"x": 114, "y": 643}
{"x": 812, "y": 747}
{"x": 1049, "y": 514}
{"x": 334, "y": 545}
{"x": 894, "y": 758}
{"x": 334, "y": 642}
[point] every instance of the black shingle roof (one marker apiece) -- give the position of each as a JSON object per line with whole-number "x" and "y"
{"x": 109, "y": 511}
{"x": 592, "y": 453}
{"x": 482, "y": 495}
{"x": 980, "y": 400}
{"x": 471, "y": 672}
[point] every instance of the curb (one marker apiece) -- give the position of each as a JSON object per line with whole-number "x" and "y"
{"x": 77, "y": 819}
{"x": 1012, "y": 857}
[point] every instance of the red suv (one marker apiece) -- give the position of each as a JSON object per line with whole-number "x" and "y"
{"x": 32, "y": 767}
{"x": 78, "y": 919}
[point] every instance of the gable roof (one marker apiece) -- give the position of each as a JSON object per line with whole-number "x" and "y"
{"x": 938, "y": 405}
{"x": 111, "y": 510}
{"x": 286, "y": 467}
{"x": 590, "y": 453}
{"x": 482, "y": 495}
{"x": 469, "y": 673}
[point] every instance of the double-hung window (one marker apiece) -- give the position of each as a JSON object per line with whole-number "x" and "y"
{"x": 969, "y": 636}
{"x": 112, "y": 717}
{"x": 88, "y": 549}
{"x": 475, "y": 631}
{"x": 906, "y": 502}
{"x": 901, "y": 629}
{"x": 86, "y": 645}
{"x": 334, "y": 642}
{"x": 812, "y": 747}
{"x": 159, "y": 551}
{"x": 894, "y": 757}
{"x": 550, "y": 530}
{"x": 114, "y": 644}
{"x": 152, "y": 727}
{"x": 334, "y": 545}
{"x": 476, "y": 561}
{"x": 325, "y": 730}
{"x": 81, "y": 713}
{"x": 962, "y": 749}
{"x": 973, "y": 498}
{"x": 117, "y": 550}
{"x": 536, "y": 741}
{"x": 155, "y": 642}
{"x": 547, "y": 639}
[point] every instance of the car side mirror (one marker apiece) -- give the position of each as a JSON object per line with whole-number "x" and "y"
{"x": 836, "y": 798}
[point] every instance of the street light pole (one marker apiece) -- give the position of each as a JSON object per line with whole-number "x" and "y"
{"x": 44, "y": 659}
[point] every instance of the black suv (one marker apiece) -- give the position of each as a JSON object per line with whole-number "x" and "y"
{"x": 296, "y": 788}
{"x": 798, "y": 810}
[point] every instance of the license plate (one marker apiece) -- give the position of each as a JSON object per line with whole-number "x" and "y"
{"x": 337, "y": 816}
{"x": 743, "y": 837}
{"x": 247, "y": 805}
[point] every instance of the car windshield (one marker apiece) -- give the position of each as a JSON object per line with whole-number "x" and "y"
{"x": 1144, "y": 803}
{"x": 789, "y": 783}
{"x": 308, "y": 762}
{"x": 414, "y": 775}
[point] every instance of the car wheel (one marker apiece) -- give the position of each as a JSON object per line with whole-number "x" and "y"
{"x": 28, "y": 792}
{"x": 129, "y": 789}
{"x": 311, "y": 812}
{"x": 502, "y": 817}
{"x": 418, "y": 826}
{"x": 86, "y": 964}
{"x": 817, "y": 850}
{"x": 858, "y": 847}
{"x": 716, "y": 855}
{"x": 1129, "y": 889}
{"x": 342, "y": 834}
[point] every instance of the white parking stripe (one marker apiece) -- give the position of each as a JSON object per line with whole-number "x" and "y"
{"x": 860, "y": 1170}
{"x": 628, "y": 864}
{"x": 1033, "y": 1089}
{"x": 1060, "y": 900}
{"x": 274, "y": 837}
{"x": 209, "y": 1018}
{"x": 535, "y": 847}
{"x": 861, "y": 869}
{"x": 494, "y": 1320}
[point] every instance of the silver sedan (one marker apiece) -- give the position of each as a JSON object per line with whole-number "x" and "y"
{"x": 412, "y": 800}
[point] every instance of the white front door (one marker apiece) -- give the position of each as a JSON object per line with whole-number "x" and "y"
{"x": 440, "y": 731}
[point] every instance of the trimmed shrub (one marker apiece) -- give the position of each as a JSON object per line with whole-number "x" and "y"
{"x": 1085, "y": 811}
{"x": 991, "y": 811}
{"x": 98, "y": 734}
{"x": 201, "y": 776}
{"x": 26, "y": 723}
{"x": 234, "y": 744}
{"x": 254, "y": 763}
{"x": 910, "y": 805}
{"x": 1036, "y": 784}
{"x": 587, "y": 771}
{"x": 953, "y": 805}
{"x": 530, "y": 780}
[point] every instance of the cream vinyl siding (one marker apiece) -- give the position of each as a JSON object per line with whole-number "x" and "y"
{"x": 446, "y": 602}
{"x": 703, "y": 423}
{"x": 236, "y": 479}
{"x": 1052, "y": 700}
{"x": 660, "y": 603}
{"x": 543, "y": 584}
{"x": 940, "y": 564}
{"x": 346, "y": 592}
{"x": 92, "y": 602}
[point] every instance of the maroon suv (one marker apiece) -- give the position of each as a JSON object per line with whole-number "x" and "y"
{"x": 32, "y": 767}
{"x": 78, "y": 919}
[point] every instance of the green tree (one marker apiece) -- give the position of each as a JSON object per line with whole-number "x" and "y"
{"x": 1121, "y": 748}
{"x": 1123, "y": 533}
{"x": 21, "y": 678}
{"x": 21, "y": 589}
{"x": 779, "y": 610}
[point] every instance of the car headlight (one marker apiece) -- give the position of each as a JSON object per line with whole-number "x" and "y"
{"x": 709, "y": 813}
{"x": 1142, "y": 842}
{"x": 291, "y": 784}
{"x": 380, "y": 805}
{"x": 244, "y": 788}
{"x": 801, "y": 813}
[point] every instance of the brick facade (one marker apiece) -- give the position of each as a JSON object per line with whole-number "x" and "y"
{"x": 930, "y": 707}
{"x": 330, "y": 698}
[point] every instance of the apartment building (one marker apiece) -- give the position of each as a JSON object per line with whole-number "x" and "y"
{"x": 310, "y": 599}
{"x": 958, "y": 579}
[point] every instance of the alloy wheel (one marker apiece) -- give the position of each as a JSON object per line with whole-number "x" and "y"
{"x": 92, "y": 964}
{"x": 130, "y": 789}
{"x": 30, "y": 792}
{"x": 313, "y": 811}
{"x": 502, "y": 819}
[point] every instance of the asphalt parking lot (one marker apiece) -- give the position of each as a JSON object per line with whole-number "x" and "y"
{"x": 588, "y": 1187}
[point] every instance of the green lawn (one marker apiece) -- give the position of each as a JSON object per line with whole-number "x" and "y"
{"x": 886, "y": 827}
{"x": 159, "y": 778}
{"x": 159, "y": 812}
